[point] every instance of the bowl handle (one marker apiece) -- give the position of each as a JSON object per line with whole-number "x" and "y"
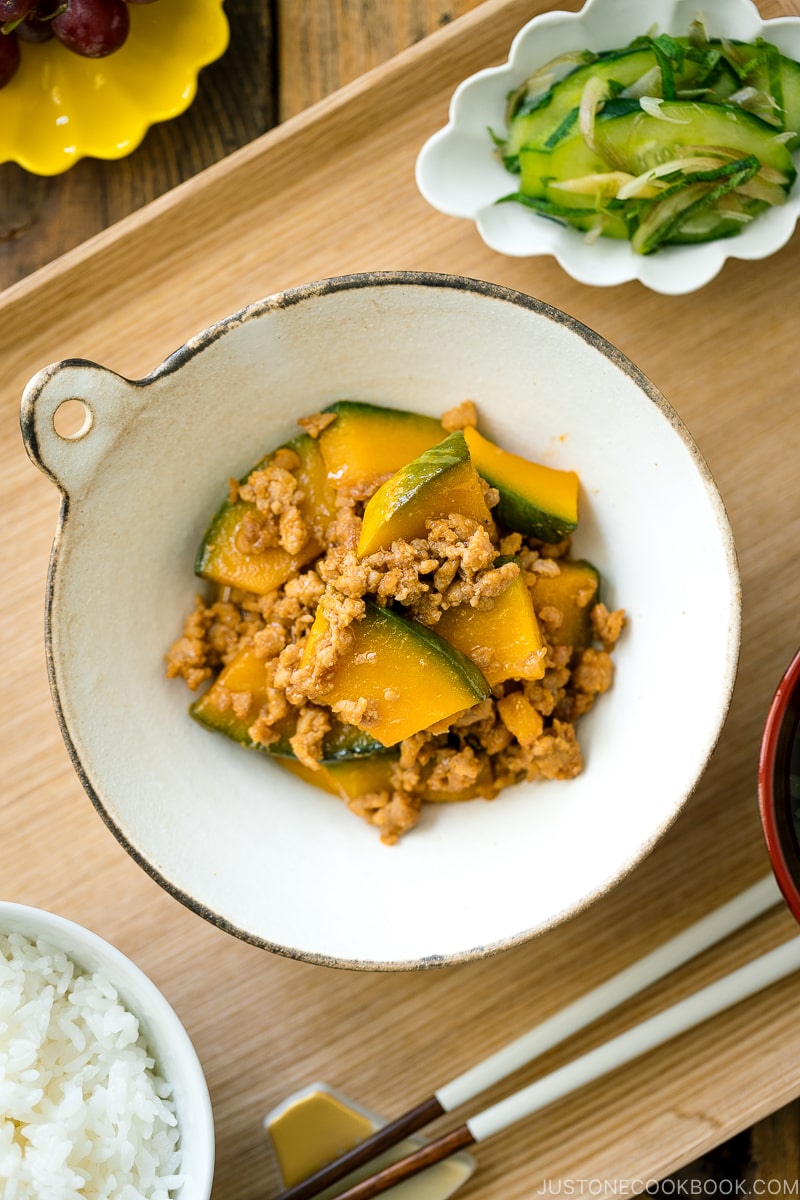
{"x": 71, "y": 414}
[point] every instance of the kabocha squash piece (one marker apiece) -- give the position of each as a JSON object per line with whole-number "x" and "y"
{"x": 520, "y": 717}
{"x": 348, "y": 778}
{"x": 410, "y": 677}
{"x": 439, "y": 482}
{"x": 352, "y": 778}
{"x": 245, "y": 676}
{"x": 573, "y": 592}
{"x": 534, "y": 499}
{"x": 342, "y": 743}
{"x": 505, "y": 641}
{"x": 320, "y": 778}
{"x": 366, "y": 442}
{"x": 357, "y": 777}
{"x": 220, "y": 557}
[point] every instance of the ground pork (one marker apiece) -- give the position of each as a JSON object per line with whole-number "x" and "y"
{"x": 275, "y": 518}
{"x": 212, "y": 634}
{"x": 315, "y": 424}
{"x": 524, "y": 731}
{"x": 393, "y": 813}
{"x": 461, "y": 416}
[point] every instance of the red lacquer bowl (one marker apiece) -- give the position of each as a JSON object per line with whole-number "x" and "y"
{"x": 779, "y": 784}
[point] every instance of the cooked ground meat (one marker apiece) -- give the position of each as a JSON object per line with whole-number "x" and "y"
{"x": 607, "y": 625}
{"x": 393, "y": 813}
{"x": 524, "y": 731}
{"x": 315, "y": 424}
{"x": 211, "y": 636}
{"x": 276, "y": 519}
{"x": 462, "y": 416}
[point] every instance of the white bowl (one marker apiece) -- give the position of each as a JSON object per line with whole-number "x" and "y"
{"x": 458, "y": 173}
{"x": 261, "y": 854}
{"x": 167, "y": 1040}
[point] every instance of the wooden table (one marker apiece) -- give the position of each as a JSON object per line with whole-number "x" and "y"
{"x": 283, "y": 57}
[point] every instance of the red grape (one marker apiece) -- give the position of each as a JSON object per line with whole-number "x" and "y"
{"x": 14, "y": 10}
{"x": 9, "y": 57}
{"x": 92, "y": 28}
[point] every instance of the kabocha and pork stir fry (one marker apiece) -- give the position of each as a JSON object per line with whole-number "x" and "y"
{"x": 396, "y": 616}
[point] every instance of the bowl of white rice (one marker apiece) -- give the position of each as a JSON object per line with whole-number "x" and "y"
{"x": 101, "y": 1090}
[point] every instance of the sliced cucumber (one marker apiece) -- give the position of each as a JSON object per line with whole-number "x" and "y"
{"x": 611, "y": 222}
{"x": 790, "y": 86}
{"x": 672, "y": 139}
{"x": 557, "y": 113}
{"x": 633, "y": 140}
{"x": 571, "y": 159}
{"x": 535, "y": 90}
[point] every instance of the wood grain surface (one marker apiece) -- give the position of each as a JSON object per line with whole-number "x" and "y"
{"x": 283, "y": 56}
{"x": 242, "y": 228}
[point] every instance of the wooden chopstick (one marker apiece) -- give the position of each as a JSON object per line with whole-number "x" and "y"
{"x": 686, "y": 945}
{"x": 696, "y": 1008}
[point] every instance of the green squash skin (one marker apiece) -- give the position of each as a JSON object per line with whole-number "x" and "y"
{"x": 522, "y": 515}
{"x": 227, "y": 512}
{"x": 436, "y": 646}
{"x": 580, "y": 618}
{"x": 518, "y": 510}
{"x": 217, "y": 531}
{"x": 341, "y": 744}
{"x": 390, "y": 437}
{"x": 419, "y": 488}
{"x": 360, "y": 410}
{"x": 517, "y": 513}
{"x": 449, "y": 454}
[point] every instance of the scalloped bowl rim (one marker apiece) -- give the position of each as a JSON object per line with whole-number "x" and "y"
{"x": 40, "y": 152}
{"x": 457, "y": 173}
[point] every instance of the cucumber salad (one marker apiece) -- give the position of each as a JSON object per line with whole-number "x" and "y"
{"x": 667, "y": 140}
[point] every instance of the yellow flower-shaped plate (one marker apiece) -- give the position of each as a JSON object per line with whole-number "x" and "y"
{"x": 60, "y": 107}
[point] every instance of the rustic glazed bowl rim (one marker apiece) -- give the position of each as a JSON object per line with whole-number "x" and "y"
{"x": 287, "y": 299}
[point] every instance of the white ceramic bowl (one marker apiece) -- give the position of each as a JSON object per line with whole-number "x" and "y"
{"x": 263, "y": 855}
{"x": 167, "y": 1040}
{"x": 458, "y": 173}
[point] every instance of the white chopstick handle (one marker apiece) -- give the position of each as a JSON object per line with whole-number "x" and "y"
{"x": 660, "y": 962}
{"x": 729, "y": 990}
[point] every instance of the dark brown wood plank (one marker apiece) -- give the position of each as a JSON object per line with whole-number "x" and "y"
{"x": 324, "y": 45}
{"x": 41, "y": 218}
{"x": 774, "y": 1152}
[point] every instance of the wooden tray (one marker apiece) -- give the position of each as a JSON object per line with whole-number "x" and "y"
{"x": 331, "y": 192}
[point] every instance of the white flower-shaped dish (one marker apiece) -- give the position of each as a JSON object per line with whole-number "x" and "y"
{"x": 458, "y": 173}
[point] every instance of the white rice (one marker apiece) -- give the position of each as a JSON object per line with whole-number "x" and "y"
{"x": 83, "y": 1113}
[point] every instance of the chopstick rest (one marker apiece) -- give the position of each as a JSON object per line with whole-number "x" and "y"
{"x": 595, "y": 1003}
{"x": 669, "y": 1023}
